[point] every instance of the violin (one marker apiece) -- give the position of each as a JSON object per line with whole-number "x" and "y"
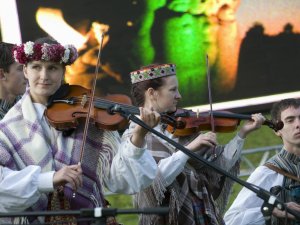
{"x": 69, "y": 106}
{"x": 223, "y": 121}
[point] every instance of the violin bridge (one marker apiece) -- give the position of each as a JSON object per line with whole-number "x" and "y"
{"x": 83, "y": 101}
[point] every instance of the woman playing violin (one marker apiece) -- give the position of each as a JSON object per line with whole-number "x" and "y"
{"x": 188, "y": 188}
{"x": 26, "y": 137}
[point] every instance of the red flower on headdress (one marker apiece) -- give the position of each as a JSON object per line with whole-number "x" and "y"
{"x": 46, "y": 52}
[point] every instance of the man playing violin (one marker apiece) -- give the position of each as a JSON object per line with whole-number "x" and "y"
{"x": 186, "y": 186}
{"x": 280, "y": 174}
{"x": 27, "y": 139}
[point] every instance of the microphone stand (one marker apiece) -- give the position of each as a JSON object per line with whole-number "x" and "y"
{"x": 97, "y": 214}
{"x": 270, "y": 201}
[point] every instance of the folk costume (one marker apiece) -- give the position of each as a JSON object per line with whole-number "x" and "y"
{"x": 21, "y": 189}
{"x": 27, "y": 139}
{"x": 185, "y": 185}
{"x": 246, "y": 208}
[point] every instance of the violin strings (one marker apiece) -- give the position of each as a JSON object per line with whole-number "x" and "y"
{"x": 107, "y": 103}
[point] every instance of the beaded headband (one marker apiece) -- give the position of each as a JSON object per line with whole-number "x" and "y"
{"x": 31, "y": 51}
{"x": 152, "y": 72}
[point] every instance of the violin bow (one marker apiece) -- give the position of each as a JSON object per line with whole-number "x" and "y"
{"x": 91, "y": 102}
{"x": 212, "y": 121}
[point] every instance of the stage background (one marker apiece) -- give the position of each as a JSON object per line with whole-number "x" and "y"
{"x": 253, "y": 46}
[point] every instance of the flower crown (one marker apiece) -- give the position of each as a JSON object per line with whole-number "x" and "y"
{"x": 152, "y": 72}
{"x": 30, "y": 51}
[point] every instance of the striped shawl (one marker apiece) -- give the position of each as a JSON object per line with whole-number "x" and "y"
{"x": 23, "y": 143}
{"x": 289, "y": 163}
{"x": 188, "y": 197}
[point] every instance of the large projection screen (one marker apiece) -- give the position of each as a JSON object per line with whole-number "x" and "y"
{"x": 253, "y": 46}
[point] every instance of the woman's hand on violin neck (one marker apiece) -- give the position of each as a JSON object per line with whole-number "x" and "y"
{"x": 257, "y": 121}
{"x": 149, "y": 117}
{"x": 68, "y": 174}
{"x": 208, "y": 139}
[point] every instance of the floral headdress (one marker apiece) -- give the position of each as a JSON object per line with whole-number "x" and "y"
{"x": 152, "y": 72}
{"x": 30, "y": 51}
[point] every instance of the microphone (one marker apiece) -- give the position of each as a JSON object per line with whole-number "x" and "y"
{"x": 276, "y": 190}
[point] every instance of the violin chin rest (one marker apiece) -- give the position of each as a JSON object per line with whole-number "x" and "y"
{"x": 61, "y": 92}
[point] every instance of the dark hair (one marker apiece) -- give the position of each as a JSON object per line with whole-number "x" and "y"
{"x": 138, "y": 89}
{"x": 278, "y": 107}
{"x": 48, "y": 40}
{"x": 6, "y": 56}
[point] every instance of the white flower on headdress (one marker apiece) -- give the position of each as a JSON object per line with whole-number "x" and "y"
{"x": 66, "y": 55}
{"x": 28, "y": 48}
{"x": 45, "y": 55}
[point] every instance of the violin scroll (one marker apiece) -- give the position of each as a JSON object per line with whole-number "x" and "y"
{"x": 275, "y": 126}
